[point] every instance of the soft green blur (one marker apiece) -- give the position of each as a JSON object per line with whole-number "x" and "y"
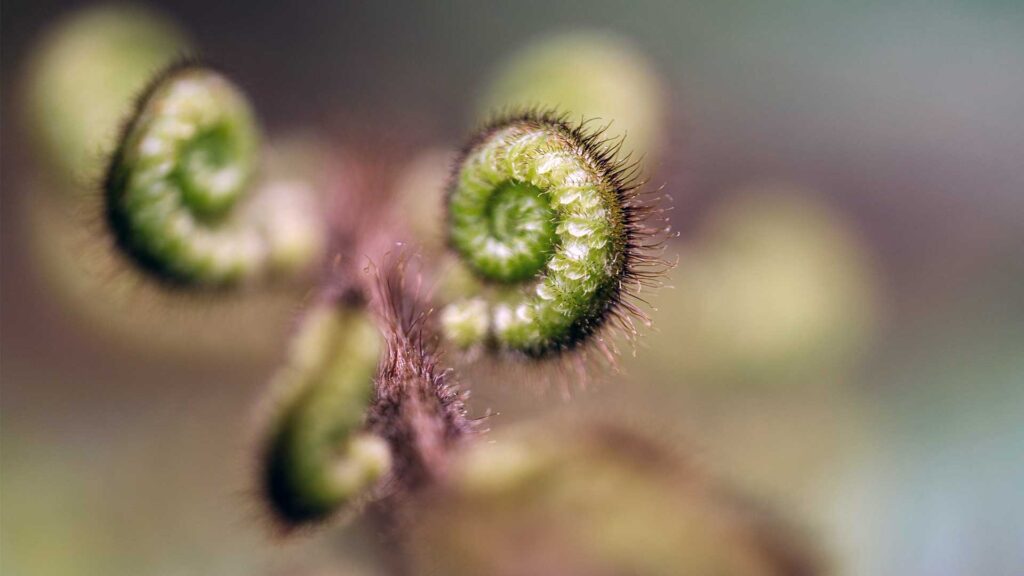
{"x": 590, "y": 76}
{"x": 776, "y": 287}
{"x": 594, "y": 499}
{"x": 85, "y": 72}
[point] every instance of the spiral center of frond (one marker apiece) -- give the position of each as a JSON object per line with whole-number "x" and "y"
{"x": 211, "y": 173}
{"x": 507, "y": 234}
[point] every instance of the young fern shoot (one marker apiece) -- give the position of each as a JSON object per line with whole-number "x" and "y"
{"x": 363, "y": 411}
{"x": 545, "y": 215}
{"x": 176, "y": 184}
{"x": 317, "y": 458}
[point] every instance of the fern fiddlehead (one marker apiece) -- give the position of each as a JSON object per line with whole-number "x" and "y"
{"x": 363, "y": 411}
{"x": 317, "y": 458}
{"x": 176, "y": 186}
{"x": 544, "y": 213}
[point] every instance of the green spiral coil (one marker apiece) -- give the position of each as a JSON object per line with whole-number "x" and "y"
{"x": 545, "y": 216}
{"x": 177, "y": 186}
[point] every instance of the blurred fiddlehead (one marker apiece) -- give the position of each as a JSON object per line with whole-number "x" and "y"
{"x": 82, "y": 83}
{"x": 177, "y": 184}
{"x": 317, "y": 459}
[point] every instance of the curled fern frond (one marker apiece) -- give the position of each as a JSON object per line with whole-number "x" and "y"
{"x": 318, "y": 457}
{"x": 176, "y": 185}
{"x": 546, "y": 215}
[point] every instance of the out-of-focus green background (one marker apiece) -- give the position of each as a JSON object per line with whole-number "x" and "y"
{"x": 843, "y": 339}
